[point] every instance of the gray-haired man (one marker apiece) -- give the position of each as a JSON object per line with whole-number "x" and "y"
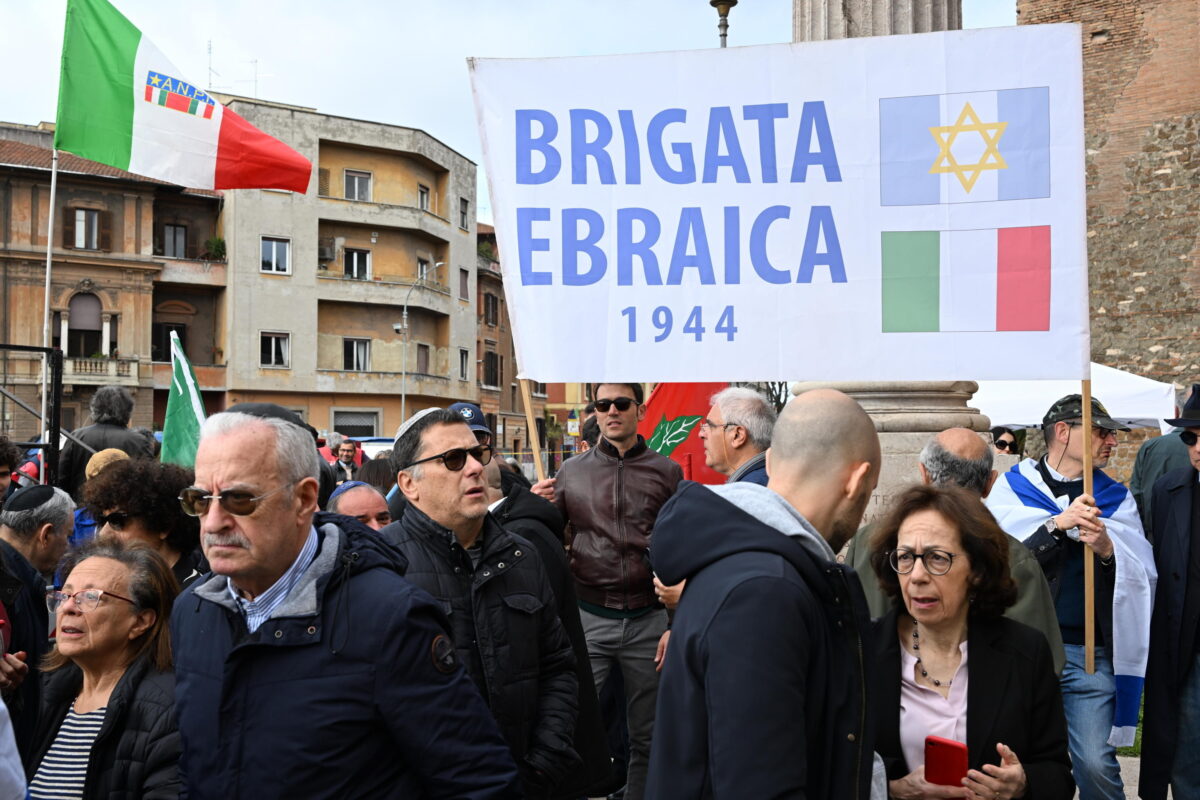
{"x": 736, "y": 434}
{"x": 959, "y": 457}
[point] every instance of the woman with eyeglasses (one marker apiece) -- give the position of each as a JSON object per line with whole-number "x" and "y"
{"x": 137, "y": 501}
{"x": 107, "y": 727}
{"x": 950, "y": 665}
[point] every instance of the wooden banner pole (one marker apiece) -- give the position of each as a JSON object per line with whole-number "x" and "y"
{"x": 534, "y": 444}
{"x": 1089, "y": 558}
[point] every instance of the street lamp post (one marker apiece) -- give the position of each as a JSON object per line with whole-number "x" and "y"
{"x": 722, "y": 7}
{"x": 402, "y": 327}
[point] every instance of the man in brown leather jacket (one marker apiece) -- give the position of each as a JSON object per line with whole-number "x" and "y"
{"x": 610, "y": 496}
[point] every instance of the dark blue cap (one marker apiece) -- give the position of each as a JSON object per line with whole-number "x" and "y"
{"x": 472, "y": 415}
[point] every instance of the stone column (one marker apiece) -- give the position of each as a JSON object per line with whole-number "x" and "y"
{"x": 105, "y": 332}
{"x": 818, "y": 20}
{"x": 906, "y": 414}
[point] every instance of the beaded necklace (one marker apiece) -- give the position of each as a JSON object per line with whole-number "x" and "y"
{"x": 917, "y": 652}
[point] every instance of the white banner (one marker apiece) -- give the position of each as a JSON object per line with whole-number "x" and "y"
{"x": 890, "y": 208}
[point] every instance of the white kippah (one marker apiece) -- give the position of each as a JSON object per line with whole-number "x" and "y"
{"x": 408, "y": 423}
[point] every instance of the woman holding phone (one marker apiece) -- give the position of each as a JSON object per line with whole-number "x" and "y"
{"x": 952, "y": 666}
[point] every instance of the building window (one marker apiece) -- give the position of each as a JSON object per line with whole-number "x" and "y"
{"x": 423, "y": 359}
{"x": 539, "y": 389}
{"x": 275, "y": 349}
{"x": 464, "y": 363}
{"x": 464, "y": 213}
{"x": 358, "y": 185}
{"x": 356, "y": 423}
{"x": 358, "y": 264}
{"x": 422, "y": 269}
{"x": 464, "y": 284}
{"x": 87, "y": 229}
{"x": 422, "y": 197}
{"x": 491, "y": 370}
{"x": 491, "y": 309}
{"x": 160, "y": 339}
{"x": 512, "y": 393}
{"x": 356, "y": 354}
{"x": 276, "y": 255}
{"x": 175, "y": 241}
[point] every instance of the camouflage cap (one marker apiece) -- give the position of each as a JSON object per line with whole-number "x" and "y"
{"x": 1070, "y": 408}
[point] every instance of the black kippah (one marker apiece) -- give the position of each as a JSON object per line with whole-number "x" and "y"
{"x": 275, "y": 411}
{"x": 29, "y": 497}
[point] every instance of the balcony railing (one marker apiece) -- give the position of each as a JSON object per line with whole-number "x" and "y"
{"x": 100, "y": 369}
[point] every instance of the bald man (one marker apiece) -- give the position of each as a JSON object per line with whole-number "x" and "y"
{"x": 764, "y": 687}
{"x": 960, "y": 457}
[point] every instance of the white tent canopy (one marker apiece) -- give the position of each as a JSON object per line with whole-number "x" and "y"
{"x": 1136, "y": 401}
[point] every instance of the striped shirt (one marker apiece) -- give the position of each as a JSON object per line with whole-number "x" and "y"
{"x": 258, "y": 610}
{"x": 63, "y": 770}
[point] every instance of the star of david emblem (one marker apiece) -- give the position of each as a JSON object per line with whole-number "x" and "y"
{"x": 968, "y": 122}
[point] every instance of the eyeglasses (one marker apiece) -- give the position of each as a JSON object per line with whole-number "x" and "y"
{"x": 1097, "y": 431}
{"x": 116, "y": 520}
{"x": 622, "y": 404}
{"x": 936, "y": 562}
{"x": 195, "y": 501}
{"x": 1188, "y": 438}
{"x": 85, "y": 601}
{"x": 721, "y": 425}
{"x": 1005, "y": 444}
{"x": 456, "y": 458}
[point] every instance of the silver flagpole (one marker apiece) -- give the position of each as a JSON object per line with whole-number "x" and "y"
{"x": 46, "y": 303}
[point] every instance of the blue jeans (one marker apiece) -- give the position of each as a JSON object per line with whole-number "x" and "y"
{"x": 1185, "y": 772}
{"x": 1089, "y": 701}
{"x": 631, "y": 644}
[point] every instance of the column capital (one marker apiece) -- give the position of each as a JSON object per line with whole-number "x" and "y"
{"x": 819, "y": 20}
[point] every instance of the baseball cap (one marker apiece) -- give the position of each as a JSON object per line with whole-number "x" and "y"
{"x": 1071, "y": 408}
{"x": 472, "y": 415}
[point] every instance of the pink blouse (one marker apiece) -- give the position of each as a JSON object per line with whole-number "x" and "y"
{"x": 924, "y": 712}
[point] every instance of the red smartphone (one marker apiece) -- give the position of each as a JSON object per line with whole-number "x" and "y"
{"x": 945, "y": 761}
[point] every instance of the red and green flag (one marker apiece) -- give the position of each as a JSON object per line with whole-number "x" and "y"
{"x": 121, "y": 102}
{"x": 673, "y": 412}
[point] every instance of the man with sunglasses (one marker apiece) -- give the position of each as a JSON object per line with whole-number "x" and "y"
{"x": 610, "y": 497}
{"x": 492, "y": 583}
{"x": 305, "y": 665}
{"x": 1042, "y": 503}
{"x": 1171, "y": 728}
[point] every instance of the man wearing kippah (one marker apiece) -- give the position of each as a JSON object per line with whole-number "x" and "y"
{"x": 34, "y": 527}
{"x": 1043, "y": 504}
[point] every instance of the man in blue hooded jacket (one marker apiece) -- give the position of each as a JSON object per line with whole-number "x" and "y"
{"x": 764, "y": 686}
{"x": 306, "y": 666}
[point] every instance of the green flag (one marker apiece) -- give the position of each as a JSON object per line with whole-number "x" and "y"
{"x": 185, "y": 411}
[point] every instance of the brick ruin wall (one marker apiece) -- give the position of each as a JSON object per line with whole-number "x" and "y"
{"x": 1141, "y": 69}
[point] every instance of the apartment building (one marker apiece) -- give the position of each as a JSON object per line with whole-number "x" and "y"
{"x": 499, "y": 390}
{"x": 296, "y": 299}
{"x": 319, "y": 282}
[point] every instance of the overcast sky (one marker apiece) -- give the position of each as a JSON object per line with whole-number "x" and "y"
{"x": 396, "y": 62}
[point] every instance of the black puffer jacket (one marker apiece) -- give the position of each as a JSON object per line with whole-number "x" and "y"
{"x": 537, "y": 521}
{"x": 504, "y": 623}
{"x": 136, "y": 753}
{"x": 100, "y": 436}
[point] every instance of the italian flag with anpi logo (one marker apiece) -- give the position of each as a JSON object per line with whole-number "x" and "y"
{"x": 122, "y": 103}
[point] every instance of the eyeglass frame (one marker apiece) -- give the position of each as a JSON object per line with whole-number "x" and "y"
{"x": 1184, "y": 435}
{"x": 221, "y": 497}
{"x": 108, "y": 519}
{"x": 466, "y": 451}
{"x": 711, "y": 426}
{"x": 1005, "y": 444}
{"x": 55, "y": 599}
{"x": 893, "y": 556}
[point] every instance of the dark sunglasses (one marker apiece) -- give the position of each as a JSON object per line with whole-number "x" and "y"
{"x": 622, "y": 404}
{"x": 116, "y": 520}
{"x": 1004, "y": 444}
{"x": 456, "y": 458}
{"x": 1188, "y": 438}
{"x": 239, "y": 503}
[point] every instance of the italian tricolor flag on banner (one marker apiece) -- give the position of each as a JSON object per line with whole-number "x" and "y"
{"x": 994, "y": 279}
{"x": 122, "y": 103}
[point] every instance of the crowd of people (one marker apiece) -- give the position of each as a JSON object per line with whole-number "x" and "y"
{"x": 288, "y": 619}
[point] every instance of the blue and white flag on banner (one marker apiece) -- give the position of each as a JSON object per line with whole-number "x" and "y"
{"x": 1021, "y": 501}
{"x": 968, "y": 147}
